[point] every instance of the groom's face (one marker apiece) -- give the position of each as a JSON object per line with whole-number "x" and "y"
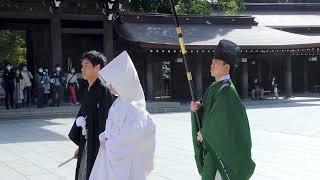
{"x": 89, "y": 72}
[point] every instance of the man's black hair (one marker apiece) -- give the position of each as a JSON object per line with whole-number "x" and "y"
{"x": 95, "y": 58}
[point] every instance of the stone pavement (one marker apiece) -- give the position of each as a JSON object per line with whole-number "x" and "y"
{"x": 69, "y": 110}
{"x": 286, "y": 145}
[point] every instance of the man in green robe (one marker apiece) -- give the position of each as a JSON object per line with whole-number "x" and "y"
{"x": 223, "y": 146}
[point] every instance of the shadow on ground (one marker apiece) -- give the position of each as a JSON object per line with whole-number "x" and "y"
{"x": 281, "y": 103}
{"x": 18, "y": 131}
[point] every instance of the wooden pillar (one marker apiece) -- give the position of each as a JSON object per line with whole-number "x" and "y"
{"x": 259, "y": 71}
{"x": 30, "y": 51}
{"x": 244, "y": 79}
{"x": 55, "y": 29}
{"x": 198, "y": 76}
{"x": 288, "y": 75}
{"x": 271, "y": 73}
{"x": 108, "y": 39}
{"x": 306, "y": 75}
{"x": 149, "y": 77}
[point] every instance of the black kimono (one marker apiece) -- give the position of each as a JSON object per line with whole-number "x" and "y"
{"x": 95, "y": 106}
{"x": 8, "y": 85}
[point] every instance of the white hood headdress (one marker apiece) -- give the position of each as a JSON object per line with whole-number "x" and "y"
{"x": 123, "y": 77}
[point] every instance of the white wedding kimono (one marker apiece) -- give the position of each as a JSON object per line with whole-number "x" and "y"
{"x": 128, "y": 143}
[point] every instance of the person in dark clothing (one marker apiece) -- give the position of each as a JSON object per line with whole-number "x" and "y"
{"x": 58, "y": 82}
{"x": 19, "y": 86}
{"x": 40, "y": 84}
{"x": 8, "y": 82}
{"x": 46, "y": 86}
{"x": 91, "y": 119}
{"x": 257, "y": 89}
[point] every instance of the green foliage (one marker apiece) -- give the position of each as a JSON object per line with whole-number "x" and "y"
{"x": 282, "y": 1}
{"x": 231, "y": 7}
{"x": 185, "y": 7}
{"x": 12, "y": 47}
{"x": 194, "y": 7}
{"x": 143, "y": 6}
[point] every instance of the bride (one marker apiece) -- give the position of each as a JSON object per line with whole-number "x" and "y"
{"x": 128, "y": 143}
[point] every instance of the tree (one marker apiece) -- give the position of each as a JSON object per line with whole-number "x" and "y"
{"x": 12, "y": 47}
{"x": 143, "y": 5}
{"x": 184, "y": 7}
{"x": 230, "y": 7}
{"x": 194, "y": 7}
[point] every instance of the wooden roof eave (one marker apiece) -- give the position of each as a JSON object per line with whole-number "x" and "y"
{"x": 211, "y": 47}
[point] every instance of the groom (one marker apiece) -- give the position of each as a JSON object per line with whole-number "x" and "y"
{"x": 90, "y": 121}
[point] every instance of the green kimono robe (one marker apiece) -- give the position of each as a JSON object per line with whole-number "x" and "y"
{"x": 226, "y": 135}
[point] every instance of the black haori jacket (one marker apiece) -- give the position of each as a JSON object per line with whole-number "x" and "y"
{"x": 95, "y": 106}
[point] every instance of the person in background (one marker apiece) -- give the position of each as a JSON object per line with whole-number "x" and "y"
{"x": 58, "y": 82}
{"x": 46, "y": 86}
{"x": 27, "y": 78}
{"x": 19, "y": 85}
{"x": 40, "y": 84}
{"x": 8, "y": 77}
{"x": 275, "y": 87}
{"x": 72, "y": 84}
{"x": 257, "y": 90}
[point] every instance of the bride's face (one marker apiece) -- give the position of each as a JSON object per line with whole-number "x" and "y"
{"x": 112, "y": 90}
